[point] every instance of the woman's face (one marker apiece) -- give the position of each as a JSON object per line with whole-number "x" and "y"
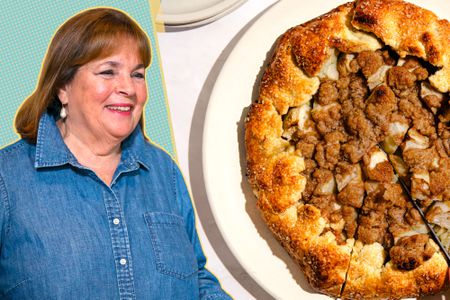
{"x": 105, "y": 99}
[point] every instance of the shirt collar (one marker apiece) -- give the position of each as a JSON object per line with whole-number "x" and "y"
{"x": 51, "y": 151}
{"x": 134, "y": 149}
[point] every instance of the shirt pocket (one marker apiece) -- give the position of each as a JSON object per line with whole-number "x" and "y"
{"x": 174, "y": 253}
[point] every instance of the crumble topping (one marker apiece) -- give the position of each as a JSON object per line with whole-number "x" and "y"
{"x": 378, "y": 100}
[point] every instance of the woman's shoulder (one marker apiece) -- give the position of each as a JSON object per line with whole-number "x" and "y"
{"x": 154, "y": 151}
{"x": 17, "y": 155}
{"x": 15, "y": 149}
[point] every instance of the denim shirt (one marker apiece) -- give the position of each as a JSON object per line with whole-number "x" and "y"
{"x": 65, "y": 234}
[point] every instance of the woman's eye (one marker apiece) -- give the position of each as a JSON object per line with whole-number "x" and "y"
{"x": 107, "y": 72}
{"x": 138, "y": 75}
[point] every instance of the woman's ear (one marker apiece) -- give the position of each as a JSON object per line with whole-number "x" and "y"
{"x": 63, "y": 95}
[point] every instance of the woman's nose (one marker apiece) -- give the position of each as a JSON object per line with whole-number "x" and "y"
{"x": 125, "y": 85}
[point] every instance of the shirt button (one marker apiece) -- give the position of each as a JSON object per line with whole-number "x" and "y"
{"x": 123, "y": 261}
{"x": 116, "y": 221}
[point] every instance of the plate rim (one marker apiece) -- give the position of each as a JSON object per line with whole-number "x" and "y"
{"x": 209, "y": 130}
{"x": 200, "y": 16}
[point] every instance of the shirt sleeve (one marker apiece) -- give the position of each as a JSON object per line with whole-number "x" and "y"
{"x": 209, "y": 285}
{"x": 4, "y": 209}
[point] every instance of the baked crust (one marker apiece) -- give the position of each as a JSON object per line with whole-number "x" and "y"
{"x": 302, "y": 57}
{"x": 410, "y": 30}
{"x": 368, "y": 278}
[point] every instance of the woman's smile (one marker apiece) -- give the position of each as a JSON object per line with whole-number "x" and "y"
{"x": 121, "y": 109}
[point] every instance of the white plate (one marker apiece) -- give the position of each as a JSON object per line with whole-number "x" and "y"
{"x": 229, "y": 194}
{"x": 193, "y": 12}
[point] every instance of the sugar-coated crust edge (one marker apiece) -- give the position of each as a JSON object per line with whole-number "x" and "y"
{"x": 410, "y": 30}
{"x": 368, "y": 278}
{"x": 323, "y": 261}
{"x": 274, "y": 167}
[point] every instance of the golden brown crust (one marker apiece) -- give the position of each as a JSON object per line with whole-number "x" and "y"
{"x": 410, "y": 30}
{"x": 312, "y": 41}
{"x": 368, "y": 276}
{"x": 283, "y": 84}
{"x": 273, "y": 172}
{"x": 301, "y": 58}
{"x": 299, "y": 229}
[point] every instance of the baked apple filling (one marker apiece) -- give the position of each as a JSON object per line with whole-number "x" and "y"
{"x": 380, "y": 119}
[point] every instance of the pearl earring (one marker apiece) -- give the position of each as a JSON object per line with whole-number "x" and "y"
{"x": 63, "y": 113}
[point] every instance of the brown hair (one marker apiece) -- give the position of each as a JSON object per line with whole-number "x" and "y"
{"x": 88, "y": 35}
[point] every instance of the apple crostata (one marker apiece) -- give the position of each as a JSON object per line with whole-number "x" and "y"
{"x": 349, "y": 103}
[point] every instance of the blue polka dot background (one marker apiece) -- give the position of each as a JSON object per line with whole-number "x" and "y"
{"x": 26, "y": 28}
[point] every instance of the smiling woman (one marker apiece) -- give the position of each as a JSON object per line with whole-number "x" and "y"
{"x": 98, "y": 212}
